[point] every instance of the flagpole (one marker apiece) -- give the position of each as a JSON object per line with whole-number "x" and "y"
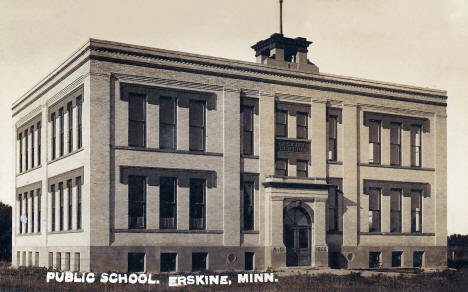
{"x": 281, "y": 16}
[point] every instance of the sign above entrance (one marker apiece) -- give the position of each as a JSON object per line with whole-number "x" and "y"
{"x": 292, "y": 148}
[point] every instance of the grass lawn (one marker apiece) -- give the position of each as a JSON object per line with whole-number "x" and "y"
{"x": 34, "y": 279}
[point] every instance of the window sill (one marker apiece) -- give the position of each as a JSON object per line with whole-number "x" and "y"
{"x": 398, "y": 233}
{"x": 396, "y": 166}
{"x": 250, "y": 232}
{"x": 66, "y": 155}
{"x": 28, "y": 234}
{"x": 65, "y": 231}
{"x": 333, "y": 232}
{"x": 29, "y": 170}
{"x": 147, "y": 149}
{"x": 250, "y": 156}
{"x": 143, "y": 230}
{"x": 335, "y": 162}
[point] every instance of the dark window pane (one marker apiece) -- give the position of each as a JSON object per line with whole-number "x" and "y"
{"x": 281, "y": 117}
{"x": 168, "y": 262}
{"x": 395, "y": 200}
{"x": 248, "y": 143}
{"x": 374, "y": 200}
{"x": 396, "y": 258}
{"x": 197, "y": 138}
{"x": 136, "y": 131}
{"x": 415, "y": 200}
{"x": 395, "y": 154}
{"x": 281, "y": 167}
{"x": 301, "y": 119}
{"x": 301, "y": 132}
{"x": 197, "y": 113}
{"x": 395, "y": 218}
{"x": 332, "y": 127}
{"x": 247, "y": 113}
{"x": 281, "y": 130}
{"x": 303, "y": 238}
{"x": 302, "y": 168}
{"x": 137, "y": 201}
{"x": 167, "y": 110}
{"x": 197, "y": 203}
{"x": 136, "y": 104}
{"x": 248, "y": 206}
{"x": 374, "y": 131}
{"x": 395, "y": 133}
{"x": 167, "y": 136}
{"x": 332, "y": 149}
{"x": 199, "y": 262}
{"x": 136, "y": 262}
{"x": 281, "y": 121}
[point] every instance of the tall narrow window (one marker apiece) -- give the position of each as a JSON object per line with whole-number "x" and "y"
{"x": 248, "y": 206}
{"x": 302, "y": 168}
{"x": 70, "y": 203}
{"x": 395, "y": 210}
{"x": 78, "y": 203}
{"x": 167, "y": 123}
{"x": 332, "y": 138}
{"x": 374, "y": 141}
{"x": 137, "y": 120}
{"x": 38, "y": 143}
{"x": 77, "y": 261}
{"x": 197, "y": 125}
{"x": 136, "y": 201}
{"x": 70, "y": 126}
{"x": 168, "y": 203}
{"x": 38, "y": 210}
{"x": 79, "y": 106}
{"x": 20, "y": 138}
{"x": 333, "y": 210}
{"x": 31, "y": 194}
{"x": 61, "y": 205}
{"x": 281, "y": 167}
{"x": 26, "y": 146}
{"x": 374, "y": 210}
{"x": 61, "y": 128}
{"x": 20, "y": 222}
{"x": 247, "y": 130}
{"x": 52, "y": 192}
{"x": 32, "y": 146}
{"x": 281, "y": 123}
{"x": 197, "y": 203}
{"x": 301, "y": 123}
{"x": 26, "y": 229}
{"x": 416, "y": 211}
{"x": 54, "y": 135}
{"x": 416, "y": 145}
{"x": 395, "y": 144}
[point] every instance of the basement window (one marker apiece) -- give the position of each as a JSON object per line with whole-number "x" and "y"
{"x": 375, "y": 259}
{"x": 396, "y": 258}
{"x": 136, "y": 262}
{"x": 199, "y": 261}
{"x": 249, "y": 261}
{"x": 418, "y": 257}
{"x": 168, "y": 262}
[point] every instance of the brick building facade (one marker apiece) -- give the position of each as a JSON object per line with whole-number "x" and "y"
{"x": 131, "y": 158}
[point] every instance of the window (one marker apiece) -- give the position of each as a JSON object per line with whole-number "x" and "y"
{"x": 167, "y": 123}
{"x": 26, "y": 146}
{"x": 67, "y": 261}
{"x": 332, "y": 137}
{"x": 32, "y": 146}
{"x": 78, "y": 205}
{"x": 302, "y": 168}
{"x": 168, "y": 262}
{"x": 396, "y": 258}
{"x": 58, "y": 261}
{"x": 249, "y": 261}
{"x": 51, "y": 260}
{"x": 247, "y": 130}
{"x": 80, "y": 118}
{"x": 197, "y": 203}
{"x": 26, "y": 230}
{"x": 136, "y": 201}
{"x": 301, "y": 122}
{"x": 18, "y": 258}
{"x": 61, "y": 128}
{"x": 416, "y": 145}
{"x": 36, "y": 260}
{"x": 168, "y": 203}
{"x": 31, "y": 194}
{"x": 52, "y": 192}
{"x": 333, "y": 210}
{"x": 30, "y": 259}
{"x": 61, "y": 205}
{"x": 24, "y": 258}
{"x": 416, "y": 211}
{"x": 374, "y": 210}
{"x": 281, "y": 167}
{"x": 199, "y": 262}
{"x": 375, "y": 259}
{"x": 197, "y": 125}
{"x": 418, "y": 257}
{"x": 70, "y": 126}
{"x": 395, "y": 210}
{"x": 20, "y": 138}
{"x": 39, "y": 143}
{"x": 374, "y": 141}
{"x": 38, "y": 210}
{"x": 136, "y": 262}
{"x": 395, "y": 144}
{"x": 20, "y": 198}
{"x": 77, "y": 261}
{"x": 70, "y": 204}
{"x": 137, "y": 120}
{"x": 248, "y": 206}
{"x": 54, "y": 135}
{"x": 281, "y": 123}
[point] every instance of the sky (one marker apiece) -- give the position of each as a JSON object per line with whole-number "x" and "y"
{"x": 414, "y": 42}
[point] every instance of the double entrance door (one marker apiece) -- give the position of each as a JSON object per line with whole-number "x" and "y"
{"x": 297, "y": 237}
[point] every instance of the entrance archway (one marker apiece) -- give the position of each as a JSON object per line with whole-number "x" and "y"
{"x": 297, "y": 236}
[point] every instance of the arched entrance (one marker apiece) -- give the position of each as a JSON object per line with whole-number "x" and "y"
{"x": 297, "y": 236}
